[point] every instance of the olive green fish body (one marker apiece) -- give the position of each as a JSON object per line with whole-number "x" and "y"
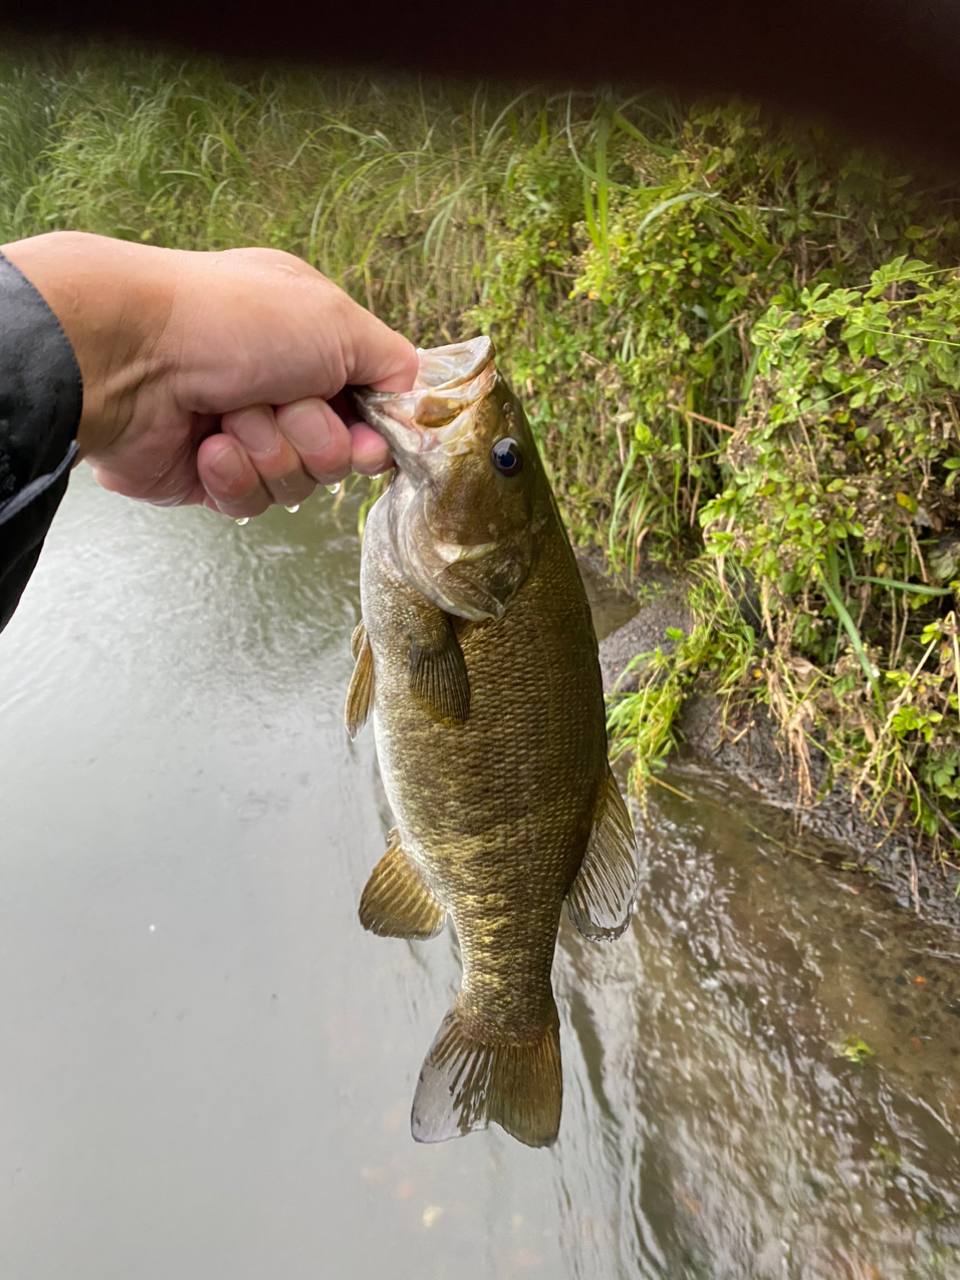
{"x": 491, "y": 740}
{"x": 495, "y": 812}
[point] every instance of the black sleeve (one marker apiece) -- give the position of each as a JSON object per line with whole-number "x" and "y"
{"x": 41, "y": 396}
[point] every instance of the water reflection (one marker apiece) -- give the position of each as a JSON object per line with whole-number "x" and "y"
{"x": 751, "y": 1143}
{"x": 208, "y": 1066}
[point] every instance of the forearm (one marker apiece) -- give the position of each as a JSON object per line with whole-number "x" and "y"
{"x": 113, "y": 300}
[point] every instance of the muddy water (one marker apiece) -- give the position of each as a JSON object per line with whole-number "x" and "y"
{"x": 206, "y": 1066}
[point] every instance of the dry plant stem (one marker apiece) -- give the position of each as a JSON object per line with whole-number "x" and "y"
{"x": 895, "y": 706}
{"x": 894, "y": 646}
{"x": 902, "y": 635}
{"x": 914, "y": 883}
{"x": 918, "y": 553}
{"x": 699, "y": 417}
{"x": 675, "y": 790}
{"x": 810, "y": 449}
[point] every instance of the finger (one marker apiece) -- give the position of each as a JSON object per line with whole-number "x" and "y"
{"x": 369, "y": 453}
{"x": 274, "y": 457}
{"x": 177, "y": 489}
{"x": 230, "y": 478}
{"x": 374, "y": 354}
{"x": 319, "y": 437}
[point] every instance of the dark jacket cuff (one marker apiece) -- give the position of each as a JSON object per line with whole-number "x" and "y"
{"x": 41, "y": 398}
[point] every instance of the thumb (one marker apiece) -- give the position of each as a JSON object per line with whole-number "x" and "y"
{"x": 374, "y": 354}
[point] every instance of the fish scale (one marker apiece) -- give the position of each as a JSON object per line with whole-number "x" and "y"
{"x": 478, "y": 659}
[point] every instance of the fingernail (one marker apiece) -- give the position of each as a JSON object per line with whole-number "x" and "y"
{"x": 227, "y": 466}
{"x": 306, "y": 428}
{"x": 255, "y": 429}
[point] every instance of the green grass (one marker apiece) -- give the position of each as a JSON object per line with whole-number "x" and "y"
{"x": 737, "y": 341}
{"x": 389, "y": 188}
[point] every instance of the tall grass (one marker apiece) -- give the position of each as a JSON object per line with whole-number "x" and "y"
{"x": 389, "y": 188}
{"x": 671, "y": 291}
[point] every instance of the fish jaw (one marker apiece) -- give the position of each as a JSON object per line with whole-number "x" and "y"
{"x": 442, "y": 368}
{"x": 437, "y": 419}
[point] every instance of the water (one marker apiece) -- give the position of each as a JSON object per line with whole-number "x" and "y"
{"x": 207, "y": 1066}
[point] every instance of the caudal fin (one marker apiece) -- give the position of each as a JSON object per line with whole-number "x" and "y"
{"x": 466, "y": 1084}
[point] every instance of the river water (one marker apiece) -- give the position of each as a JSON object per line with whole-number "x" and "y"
{"x": 207, "y": 1066}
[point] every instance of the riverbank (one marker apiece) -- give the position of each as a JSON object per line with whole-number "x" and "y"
{"x": 739, "y": 343}
{"x": 746, "y": 757}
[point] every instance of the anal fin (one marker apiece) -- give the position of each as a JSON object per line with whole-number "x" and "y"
{"x": 396, "y": 902}
{"x": 601, "y": 901}
{"x": 360, "y": 694}
{"x": 467, "y": 1083}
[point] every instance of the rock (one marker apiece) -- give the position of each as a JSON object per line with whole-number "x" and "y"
{"x": 644, "y": 633}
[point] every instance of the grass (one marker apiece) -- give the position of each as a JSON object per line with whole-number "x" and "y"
{"x": 388, "y": 188}
{"x": 737, "y": 340}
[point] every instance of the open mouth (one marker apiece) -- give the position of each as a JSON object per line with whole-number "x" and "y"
{"x": 450, "y": 384}
{"x": 444, "y": 368}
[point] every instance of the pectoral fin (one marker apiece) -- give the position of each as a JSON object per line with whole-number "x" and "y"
{"x": 360, "y": 693}
{"x": 438, "y": 676}
{"x": 601, "y": 900}
{"x": 396, "y": 902}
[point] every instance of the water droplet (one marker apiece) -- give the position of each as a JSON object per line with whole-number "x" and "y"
{"x": 333, "y": 488}
{"x": 243, "y": 520}
{"x": 294, "y": 509}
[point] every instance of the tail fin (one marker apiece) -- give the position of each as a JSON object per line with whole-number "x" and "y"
{"x": 466, "y": 1084}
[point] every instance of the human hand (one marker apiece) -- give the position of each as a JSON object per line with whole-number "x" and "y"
{"x": 214, "y": 378}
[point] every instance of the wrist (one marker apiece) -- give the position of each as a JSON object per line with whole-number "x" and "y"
{"x": 112, "y": 299}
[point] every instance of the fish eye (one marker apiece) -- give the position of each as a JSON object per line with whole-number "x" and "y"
{"x": 506, "y": 457}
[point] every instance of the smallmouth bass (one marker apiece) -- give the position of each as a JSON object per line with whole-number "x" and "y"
{"x": 476, "y": 655}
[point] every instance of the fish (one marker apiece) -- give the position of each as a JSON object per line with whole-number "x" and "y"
{"x": 477, "y": 659}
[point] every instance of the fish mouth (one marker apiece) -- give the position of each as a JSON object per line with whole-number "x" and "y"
{"x": 439, "y": 412}
{"x": 444, "y": 368}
